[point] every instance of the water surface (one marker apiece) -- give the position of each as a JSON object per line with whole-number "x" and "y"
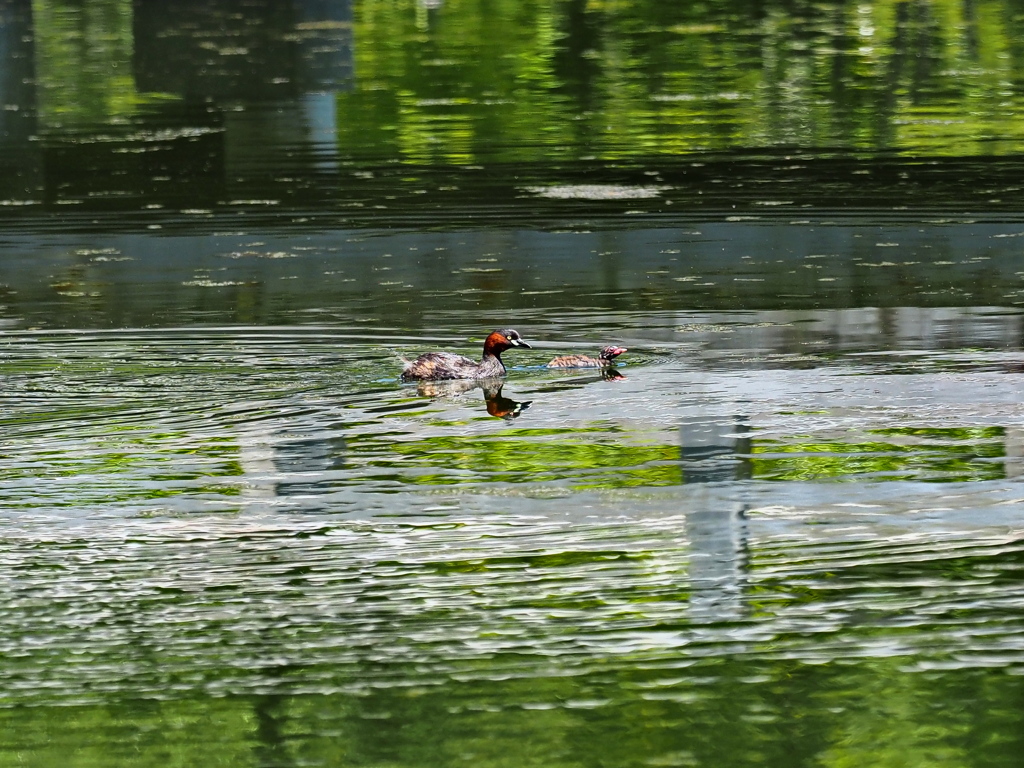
{"x": 786, "y": 530}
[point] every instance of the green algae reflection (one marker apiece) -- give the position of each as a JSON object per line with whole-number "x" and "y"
{"x": 120, "y": 466}
{"x": 598, "y": 459}
{"x": 933, "y": 454}
{"x": 582, "y": 458}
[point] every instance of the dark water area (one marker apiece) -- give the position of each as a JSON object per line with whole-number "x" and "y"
{"x": 784, "y": 529}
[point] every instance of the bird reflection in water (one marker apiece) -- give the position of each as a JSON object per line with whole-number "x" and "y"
{"x": 572, "y": 375}
{"x": 497, "y": 404}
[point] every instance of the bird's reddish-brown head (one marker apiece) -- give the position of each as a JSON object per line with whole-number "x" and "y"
{"x": 504, "y": 339}
{"x": 611, "y": 352}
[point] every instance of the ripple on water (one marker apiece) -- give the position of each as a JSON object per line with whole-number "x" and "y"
{"x": 306, "y": 419}
{"x": 702, "y": 536}
{"x": 167, "y": 608}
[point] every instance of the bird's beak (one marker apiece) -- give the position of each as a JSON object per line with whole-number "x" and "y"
{"x": 519, "y": 343}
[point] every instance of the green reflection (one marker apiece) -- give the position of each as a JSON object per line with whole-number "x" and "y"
{"x": 530, "y": 81}
{"x": 581, "y": 459}
{"x": 83, "y": 61}
{"x": 523, "y": 80}
{"x": 866, "y": 735}
{"x": 118, "y": 465}
{"x": 500, "y": 459}
{"x": 725, "y": 711}
{"x": 940, "y": 454}
{"x": 479, "y": 73}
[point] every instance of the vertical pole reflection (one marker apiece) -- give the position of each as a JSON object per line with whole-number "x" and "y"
{"x": 713, "y": 449}
{"x": 17, "y": 94}
{"x": 712, "y": 453}
{"x": 1013, "y": 452}
{"x": 718, "y": 562}
{"x": 325, "y": 44}
{"x": 20, "y": 157}
{"x": 325, "y": 39}
{"x": 270, "y": 744}
{"x": 284, "y": 471}
{"x": 320, "y": 112}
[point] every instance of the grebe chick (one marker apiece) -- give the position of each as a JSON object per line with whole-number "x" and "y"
{"x": 605, "y": 358}
{"x": 435, "y": 366}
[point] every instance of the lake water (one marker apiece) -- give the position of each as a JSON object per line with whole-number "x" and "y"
{"x": 786, "y": 529}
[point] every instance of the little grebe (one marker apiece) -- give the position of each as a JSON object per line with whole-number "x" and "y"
{"x": 605, "y": 358}
{"x": 434, "y": 366}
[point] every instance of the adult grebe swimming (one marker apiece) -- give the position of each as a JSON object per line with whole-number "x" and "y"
{"x": 605, "y": 358}
{"x": 435, "y": 366}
